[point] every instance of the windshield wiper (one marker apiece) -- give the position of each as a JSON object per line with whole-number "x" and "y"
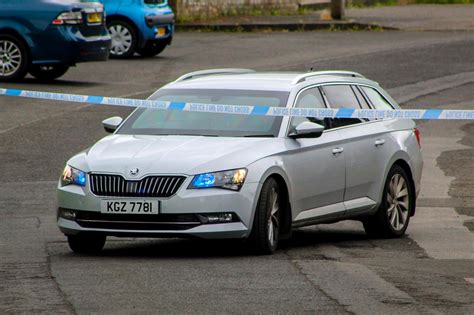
{"x": 259, "y": 136}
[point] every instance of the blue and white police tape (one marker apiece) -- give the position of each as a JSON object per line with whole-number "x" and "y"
{"x": 248, "y": 110}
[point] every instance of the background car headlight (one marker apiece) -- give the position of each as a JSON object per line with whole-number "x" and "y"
{"x": 72, "y": 176}
{"x": 233, "y": 179}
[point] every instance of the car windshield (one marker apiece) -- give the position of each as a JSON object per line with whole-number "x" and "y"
{"x": 174, "y": 122}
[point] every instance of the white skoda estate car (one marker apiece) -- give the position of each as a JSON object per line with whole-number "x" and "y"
{"x": 172, "y": 173}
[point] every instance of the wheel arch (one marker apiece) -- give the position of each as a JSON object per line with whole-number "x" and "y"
{"x": 280, "y": 177}
{"x": 407, "y": 168}
{"x": 25, "y": 41}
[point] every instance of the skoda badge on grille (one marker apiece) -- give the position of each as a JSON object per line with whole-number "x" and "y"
{"x": 134, "y": 171}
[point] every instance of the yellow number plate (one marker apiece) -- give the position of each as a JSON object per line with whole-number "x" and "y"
{"x": 94, "y": 18}
{"x": 161, "y": 31}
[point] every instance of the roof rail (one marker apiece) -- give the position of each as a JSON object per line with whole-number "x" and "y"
{"x": 201, "y": 73}
{"x": 304, "y": 76}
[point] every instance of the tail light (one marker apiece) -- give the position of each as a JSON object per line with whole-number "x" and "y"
{"x": 418, "y": 136}
{"x": 70, "y": 18}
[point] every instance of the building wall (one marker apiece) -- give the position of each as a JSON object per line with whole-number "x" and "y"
{"x": 210, "y": 9}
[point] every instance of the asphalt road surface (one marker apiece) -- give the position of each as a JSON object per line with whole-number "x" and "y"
{"x": 327, "y": 268}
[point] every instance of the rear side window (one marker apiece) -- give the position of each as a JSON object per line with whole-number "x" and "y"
{"x": 342, "y": 96}
{"x": 376, "y": 98}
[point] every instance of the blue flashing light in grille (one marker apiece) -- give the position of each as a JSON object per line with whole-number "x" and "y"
{"x": 81, "y": 179}
{"x": 204, "y": 180}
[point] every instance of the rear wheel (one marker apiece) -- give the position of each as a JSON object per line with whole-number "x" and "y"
{"x": 86, "y": 243}
{"x": 48, "y": 72}
{"x": 393, "y": 215}
{"x": 124, "y": 39}
{"x": 13, "y": 58}
{"x": 266, "y": 226}
{"x": 152, "y": 49}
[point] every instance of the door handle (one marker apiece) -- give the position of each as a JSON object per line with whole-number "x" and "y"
{"x": 379, "y": 142}
{"x": 337, "y": 150}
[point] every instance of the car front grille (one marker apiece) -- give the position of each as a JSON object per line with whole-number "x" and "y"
{"x": 167, "y": 222}
{"x": 150, "y": 186}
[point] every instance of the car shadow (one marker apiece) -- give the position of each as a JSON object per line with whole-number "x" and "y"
{"x": 199, "y": 248}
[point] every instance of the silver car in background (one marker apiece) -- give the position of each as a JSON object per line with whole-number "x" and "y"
{"x": 187, "y": 174}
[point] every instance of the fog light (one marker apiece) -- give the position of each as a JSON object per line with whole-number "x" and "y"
{"x": 217, "y": 218}
{"x": 67, "y": 214}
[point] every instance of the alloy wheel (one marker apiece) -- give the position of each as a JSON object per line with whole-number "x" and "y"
{"x": 121, "y": 39}
{"x": 398, "y": 202}
{"x": 10, "y": 58}
{"x": 273, "y": 221}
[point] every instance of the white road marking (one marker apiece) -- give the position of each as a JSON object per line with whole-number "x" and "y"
{"x": 355, "y": 286}
{"x": 442, "y": 234}
{"x": 470, "y": 280}
{"x": 409, "y": 92}
{"x": 440, "y": 231}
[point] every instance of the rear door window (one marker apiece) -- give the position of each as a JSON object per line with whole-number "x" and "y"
{"x": 341, "y": 96}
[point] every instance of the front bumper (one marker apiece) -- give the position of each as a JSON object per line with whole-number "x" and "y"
{"x": 186, "y": 202}
{"x": 153, "y": 20}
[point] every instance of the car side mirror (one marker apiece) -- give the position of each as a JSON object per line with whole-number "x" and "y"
{"x": 111, "y": 124}
{"x": 307, "y": 129}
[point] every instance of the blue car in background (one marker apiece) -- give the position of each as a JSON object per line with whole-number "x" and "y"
{"x": 142, "y": 26}
{"x": 46, "y": 37}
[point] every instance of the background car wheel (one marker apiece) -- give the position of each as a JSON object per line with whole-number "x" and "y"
{"x": 266, "y": 226}
{"x": 124, "y": 39}
{"x": 48, "y": 72}
{"x": 393, "y": 215}
{"x": 86, "y": 243}
{"x": 13, "y": 58}
{"x": 152, "y": 49}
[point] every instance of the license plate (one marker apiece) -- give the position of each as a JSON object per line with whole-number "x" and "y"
{"x": 94, "y": 18}
{"x": 130, "y": 207}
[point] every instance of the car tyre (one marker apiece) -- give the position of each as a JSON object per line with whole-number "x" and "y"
{"x": 393, "y": 216}
{"x": 48, "y": 72}
{"x": 86, "y": 243}
{"x": 14, "y": 59}
{"x": 266, "y": 226}
{"x": 124, "y": 39}
{"x": 152, "y": 49}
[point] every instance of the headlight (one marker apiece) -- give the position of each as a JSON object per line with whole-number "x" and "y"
{"x": 233, "y": 179}
{"x": 72, "y": 176}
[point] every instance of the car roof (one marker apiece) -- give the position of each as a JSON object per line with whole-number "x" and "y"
{"x": 264, "y": 81}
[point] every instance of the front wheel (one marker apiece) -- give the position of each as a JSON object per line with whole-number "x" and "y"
{"x": 266, "y": 226}
{"x": 86, "y": 243}
{"x": 392, "y": 218}
{"x": 48, "y": 72}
